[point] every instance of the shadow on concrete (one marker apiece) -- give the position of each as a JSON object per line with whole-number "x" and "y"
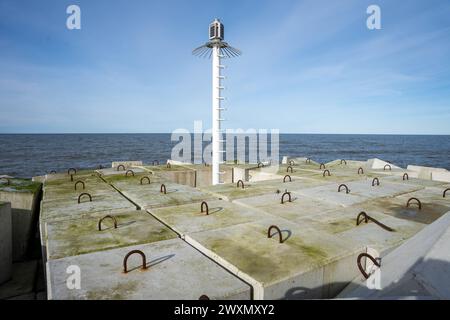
{"x": 152, "y": 263}
{"x": 432, "y": 272}
{"x": 215, "y": 210}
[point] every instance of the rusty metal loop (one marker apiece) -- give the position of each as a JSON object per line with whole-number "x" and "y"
{"x": 322, "y": 166}
{"x": 82, "y": 183}
{"x": 71, "y": 177}
{"x": 120, "y": 166}
{"x": 129, "y": 171}
{"x": 8, "y": 180}
{"x": 289, "y": 167}
{"x": 148, "y": 179}
{"x": 373, "y": 182}
{"x": 405, "y": 175}
{"x": 417, "y": 201}
{"x": 84, "y": 194}
{"x": 125, "y": 260}
{"x": 387, "y": 165}
{"x": 241, "y": 183}
{"x": 289, "y": 197}
{"x": 367, "y": 218}
{"x": 363, "y": 271}
{"x": 326, "y": 171}
{"x": 347, "y": 190}
{"x": 107, "y": 217}
{"x": 364, "y": 215}
{"x": 204, "y": 204}
{"x": 360, "y": 170}
{"x": 345, "y": 162}
{"x": 72, "y": 170}
{"x": 278, "y": 230}
{"x": 291, "y": 162}
{"x": 287, "y": 176}
{"x": 163, "y": 189}
{"x": 260, "y": 164}
{"x": 445, "y": 191}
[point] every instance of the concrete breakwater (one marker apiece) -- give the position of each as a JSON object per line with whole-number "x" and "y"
{"x": 291, "y": 231}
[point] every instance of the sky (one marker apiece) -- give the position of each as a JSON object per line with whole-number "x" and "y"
{"x": 308, "y": 66}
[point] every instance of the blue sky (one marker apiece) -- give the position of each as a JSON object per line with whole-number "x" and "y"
{"x": 307, "y": 66}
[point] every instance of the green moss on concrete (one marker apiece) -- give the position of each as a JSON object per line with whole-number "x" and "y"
{"x": 20, "y": 185}
{"x": 81, "y": 236}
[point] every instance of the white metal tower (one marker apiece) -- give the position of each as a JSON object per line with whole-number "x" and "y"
{"x": 218, "y": 49}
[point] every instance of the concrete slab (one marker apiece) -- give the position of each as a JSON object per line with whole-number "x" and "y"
{"x": 56, "y": 210}
{"x": 114, "y": 171}
{"x": 5, "y": 242}
{"x": 231, "y": 192}
{"x": 306, "y": 265}
{"x": 300, "y": 206}
{"x": 418, "y": 269}
{"x": 188, "y": 218}
{"x": 342, "y": 224}
{"x": 149, "y": 195}
{"x": 80, "y": 236}
{"x": 169, "y": 263}
{"x": 413, "y": 181}
{"x": 384, "y": 189}
{"x": 397, "y": 207}
{"x": 329, "y": 193}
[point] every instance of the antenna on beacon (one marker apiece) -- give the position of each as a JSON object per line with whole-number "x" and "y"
{"x": 217, "y": 49}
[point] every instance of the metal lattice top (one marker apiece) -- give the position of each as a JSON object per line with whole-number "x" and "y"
{"x": 226, "y": 50}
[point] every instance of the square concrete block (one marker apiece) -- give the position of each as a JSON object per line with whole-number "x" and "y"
{"x": 299, "y": 207}
{"x": 5, "y": 242}
{"x": 301, "y": 267}
{"x": 69, "y": 208}
{"x": 232, "y": 192}
{"x": 150, "y": 195}
{"x": 431, "y": 209}
{"x": 188, "y": 218}
{"x": 175, "y": 270}
{"x": 80, "y": 236}
{"x": 329, "y": 193}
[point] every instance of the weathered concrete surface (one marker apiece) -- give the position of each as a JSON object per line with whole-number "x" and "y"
{"x": 21, "y": 283}
{"x": 306, "y": 265}
{"x": 5, "y": 242}
{"x": 80, "y": 236}
{"x": 185, "y": 219}
{"x": 428, "y": 173}
{"x": 150, "y": 196}
{"x": 298, "y": 208}
{"x": 418, "y": 269}
{"x": 342, "y": 224}
{"x": 231, "y": 192}
{"x": 175, "y": 271}
{"x": 432, "y": 208}
{"x": 56, "y": 210}
{"x": 24, "y": 196}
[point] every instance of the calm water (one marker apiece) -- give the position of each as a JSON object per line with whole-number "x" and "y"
{"x": 28, "y": 155}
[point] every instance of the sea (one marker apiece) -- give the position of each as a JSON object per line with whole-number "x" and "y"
{"x": 28, "y": 155}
